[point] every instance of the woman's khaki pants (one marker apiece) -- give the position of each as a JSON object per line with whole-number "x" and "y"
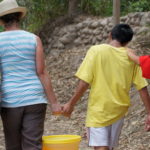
{"x": 23, "y": 127}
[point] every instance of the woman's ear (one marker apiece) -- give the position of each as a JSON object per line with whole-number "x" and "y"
{"x": 1, "y": 23}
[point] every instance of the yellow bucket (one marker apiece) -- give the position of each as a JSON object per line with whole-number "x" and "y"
{"x": 61, "y": 142}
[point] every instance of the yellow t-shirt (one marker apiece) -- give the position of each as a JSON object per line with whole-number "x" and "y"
{"x": 110, "y": 74}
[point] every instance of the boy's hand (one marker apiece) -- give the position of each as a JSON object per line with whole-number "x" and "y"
{"x": 67, "y": 109}
{"x": 147, "y": 123}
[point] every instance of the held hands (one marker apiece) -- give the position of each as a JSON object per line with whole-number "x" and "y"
{"x": 65, "y": 110}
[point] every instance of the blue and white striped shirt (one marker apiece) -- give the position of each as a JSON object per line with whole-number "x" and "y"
{"x": 20, "y": 85}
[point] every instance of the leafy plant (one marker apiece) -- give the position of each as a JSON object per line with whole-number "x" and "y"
{"x": 97, "y": 7}
{"x": 128, "y": 6}
{"x": 39, "y": 11}
{"x": 1, "y": 29}
{"x": 140, "y": 6}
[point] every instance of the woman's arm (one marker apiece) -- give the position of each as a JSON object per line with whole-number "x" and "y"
{"x": 45, "y": 78}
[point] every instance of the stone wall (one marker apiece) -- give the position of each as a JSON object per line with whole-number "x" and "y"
{"x": 94, "y": 30}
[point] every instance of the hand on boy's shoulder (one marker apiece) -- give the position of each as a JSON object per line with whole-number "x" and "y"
{"x": 129, "y": 50}
{"x": 132, "y": 55}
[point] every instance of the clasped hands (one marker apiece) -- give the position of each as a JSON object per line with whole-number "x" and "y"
{"x": 64, "y": 110}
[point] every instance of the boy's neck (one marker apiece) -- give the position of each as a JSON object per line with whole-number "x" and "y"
{"x": 115, "y": 43}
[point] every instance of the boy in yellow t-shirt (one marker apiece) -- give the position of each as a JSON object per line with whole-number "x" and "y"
{"x": 109, "y": 73}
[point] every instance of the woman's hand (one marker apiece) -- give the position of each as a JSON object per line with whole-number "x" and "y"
{"x": 56, "y": 109}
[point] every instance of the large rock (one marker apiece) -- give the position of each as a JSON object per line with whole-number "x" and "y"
{"x": 85, "y": 31}
{"x": 68, "y": 38}
{"x": 58, "y": 45}
{"x": 145, "y": 20}
{"x": 79, "y": 26}
{"x": 94, "y": 25}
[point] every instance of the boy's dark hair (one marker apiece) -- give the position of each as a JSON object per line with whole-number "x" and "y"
{"x": 123, "y": 33}
{"x": 11, "y": 18}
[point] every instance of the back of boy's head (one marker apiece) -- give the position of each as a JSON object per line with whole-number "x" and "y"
{"x": 123, "y": 33}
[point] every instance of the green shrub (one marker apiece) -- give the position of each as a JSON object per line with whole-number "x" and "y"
{"x": 1, "y": 29}
{"x": 39, "y": 11}
{"x": 139, "y": 6}
{"x": 96, "y": 7}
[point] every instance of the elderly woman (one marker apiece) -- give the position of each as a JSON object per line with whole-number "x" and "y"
{"x": 24, "y": 82}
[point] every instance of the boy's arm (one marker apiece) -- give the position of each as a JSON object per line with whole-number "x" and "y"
{"x": 81, "y": 88}
{"x": 132, "y": 56}
{"x": 146, "y": 100}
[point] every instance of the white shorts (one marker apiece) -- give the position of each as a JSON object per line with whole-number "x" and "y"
{"x": 105, "y": 136}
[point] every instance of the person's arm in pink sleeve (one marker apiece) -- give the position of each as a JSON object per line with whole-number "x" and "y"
{"x": 145, "y": 66}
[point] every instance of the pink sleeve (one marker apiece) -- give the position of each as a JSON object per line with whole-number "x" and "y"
{"x": 145, "y": 66}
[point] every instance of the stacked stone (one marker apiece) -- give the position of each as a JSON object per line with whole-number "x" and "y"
{"x": 94, "y": 31}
